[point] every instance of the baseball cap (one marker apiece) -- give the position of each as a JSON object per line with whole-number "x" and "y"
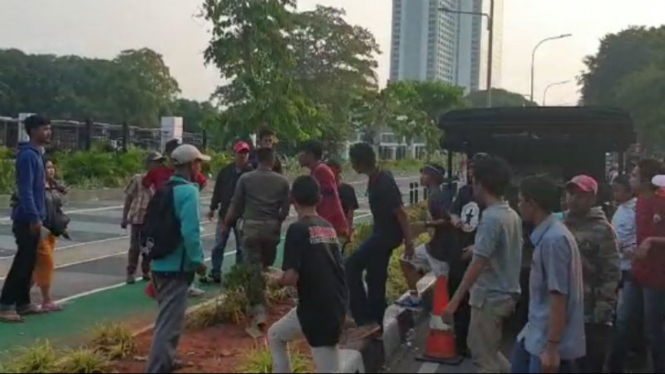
{"x": 585, "y": 183}
{"x": 241, "y": 147}
{"x": 154, "y": 156}
{"x": 187, "y": 153}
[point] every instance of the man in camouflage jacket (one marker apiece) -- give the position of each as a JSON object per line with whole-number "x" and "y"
{"x": 599, "y": 249}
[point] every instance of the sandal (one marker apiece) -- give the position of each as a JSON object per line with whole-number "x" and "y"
{"x": 51, "y": 307}
{"x": 30, "y": 310}
{"x": 10, "y": 317}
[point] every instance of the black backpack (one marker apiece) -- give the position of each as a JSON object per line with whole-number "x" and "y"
{"x": 160, "y": 235}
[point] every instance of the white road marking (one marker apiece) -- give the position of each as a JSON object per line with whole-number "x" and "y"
{"x": 429, "y": 367}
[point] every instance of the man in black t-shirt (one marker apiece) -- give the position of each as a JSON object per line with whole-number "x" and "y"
{"x": 442, "y": 251}
{"x": 347, "y": 194}
{"x": 391, "y": 228}
{"x": 465, "y": 216}
{"x": 313, "y": 264}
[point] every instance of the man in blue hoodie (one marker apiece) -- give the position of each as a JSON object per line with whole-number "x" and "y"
{"x": 27, "y": 217}
{"x": 173, "y": 274}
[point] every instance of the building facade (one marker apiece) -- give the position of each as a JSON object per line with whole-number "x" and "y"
{"x": 429, "y": 44}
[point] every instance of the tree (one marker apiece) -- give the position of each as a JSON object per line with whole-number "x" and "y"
{"x": 619, "y": 55}
{"x": 135, "y": 87}
{"x": 194, "y": 114}
{"x": 335, "y": 65}
{"x": 410, "y": 109}
{"x": 142, "y": 86}
{"x": 250, "y": 47}
{"x": 500, "y": 98}
{"x": 642, "y": 94}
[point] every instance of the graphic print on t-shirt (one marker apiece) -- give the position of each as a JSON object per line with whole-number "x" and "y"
{"x": 470, "y": 217}
{"x": 322, "y": 235}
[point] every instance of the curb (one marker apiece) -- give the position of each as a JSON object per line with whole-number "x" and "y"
{"x": 397, "y": 327}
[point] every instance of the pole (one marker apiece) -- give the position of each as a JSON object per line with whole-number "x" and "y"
{"x": 490, "y": 53}
{"x": 533, "y": 58}
{"x": 548, "y": 88}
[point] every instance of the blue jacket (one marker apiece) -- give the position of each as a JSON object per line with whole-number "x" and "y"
{"x": 187, "y": 208}
{"x": 31, "y": 185}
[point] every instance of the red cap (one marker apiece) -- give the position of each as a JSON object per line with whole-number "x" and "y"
{"x": 241, "y": 147}
{"x": 585, "y": 183}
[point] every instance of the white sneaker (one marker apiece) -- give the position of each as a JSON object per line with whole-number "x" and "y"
{"x": 195, "y": 292}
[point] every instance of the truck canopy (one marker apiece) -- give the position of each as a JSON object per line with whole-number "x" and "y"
{"x": 558, "y": 140}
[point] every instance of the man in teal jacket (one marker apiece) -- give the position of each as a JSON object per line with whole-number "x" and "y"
{"x": 170, "y": 275}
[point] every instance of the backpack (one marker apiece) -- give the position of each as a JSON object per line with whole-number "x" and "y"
{"x": 160, "y": 235}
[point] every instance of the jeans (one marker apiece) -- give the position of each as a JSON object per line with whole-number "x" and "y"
{"x": 373, "y": 256}
{"x": 16, "y": 291}
{"x": 598, "y": 337}
{"x": 288, "y": 329}
{"x": 135, "y": 253}
{"x": 172, "y": 299}
{"x": 221, "y": 238}
{"x": 524, "y": 362}
{"x": 639, "y": 302}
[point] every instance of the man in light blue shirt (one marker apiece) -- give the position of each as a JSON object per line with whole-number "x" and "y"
{"x": 554, "y": 336}
{"x": 494, "y": 273}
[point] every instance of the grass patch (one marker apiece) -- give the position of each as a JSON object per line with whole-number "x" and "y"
{"x": 113, "y": 340}
{"x": 85, "y": 361}
{"x": 40, "y": 358}
{"x": 259, "y": 360}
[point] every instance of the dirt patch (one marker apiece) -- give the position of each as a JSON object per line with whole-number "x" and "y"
{"x": 219, "y": 349}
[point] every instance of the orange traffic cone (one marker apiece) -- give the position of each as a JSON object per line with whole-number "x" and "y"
{"x": 441, "y": 348}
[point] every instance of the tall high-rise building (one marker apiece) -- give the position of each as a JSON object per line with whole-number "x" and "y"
{"x": 428, "y": 44}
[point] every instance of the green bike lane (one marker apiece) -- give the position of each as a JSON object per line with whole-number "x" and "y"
{"x": 126, "y": 304}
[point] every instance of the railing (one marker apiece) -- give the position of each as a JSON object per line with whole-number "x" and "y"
{"x": 74, "y": 135}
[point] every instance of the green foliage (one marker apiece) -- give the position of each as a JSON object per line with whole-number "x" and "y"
{"x": 409, "y": 108}
{"x": 98, "y": 168}
{"x": 40, "y": 358}
{"x": 299, "y": 72}
{"x": 627, "y": 72}
{"x": 642, "y": 94}
{"x": 620, "y": 55}
{"x": 228, "y": 308}
{"x": 135, "y": 87}
{"x": 500, "y": 98}
{"x": 259, "y": 360}
{"x": 113, "y": 340}
{"x": 84, "y": 361}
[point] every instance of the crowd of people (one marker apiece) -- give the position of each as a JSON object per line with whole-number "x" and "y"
{"x": 594, "y": 283}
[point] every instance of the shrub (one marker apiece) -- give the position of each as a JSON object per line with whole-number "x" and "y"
{"x": 40, "y": 358}
{"x": 230, "y": 308}
{"x": 113, "y": 340}
{"x": 84, "y": 361}
{"x": 259, "y": 360}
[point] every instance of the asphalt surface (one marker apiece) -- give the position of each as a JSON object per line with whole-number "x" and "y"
{"x": 96, "y": 258}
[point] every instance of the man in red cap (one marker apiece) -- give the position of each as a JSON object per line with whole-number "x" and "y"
{"x": 221, "y": 200}
{"x": 599, "y": 249}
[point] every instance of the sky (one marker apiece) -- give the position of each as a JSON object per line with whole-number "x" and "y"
{"x": 102, "y": 28}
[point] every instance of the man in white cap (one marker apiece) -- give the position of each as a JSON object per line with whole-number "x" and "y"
{"x": 174, "y": 271}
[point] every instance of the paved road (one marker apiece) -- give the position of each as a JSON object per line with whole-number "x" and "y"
{"x": 96, "y": 258}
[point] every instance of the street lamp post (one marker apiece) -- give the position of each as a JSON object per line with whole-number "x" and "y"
{"x": 533, "y": 56}
{"x": 550, "y": 86}
{"x": 490, "y": 48}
